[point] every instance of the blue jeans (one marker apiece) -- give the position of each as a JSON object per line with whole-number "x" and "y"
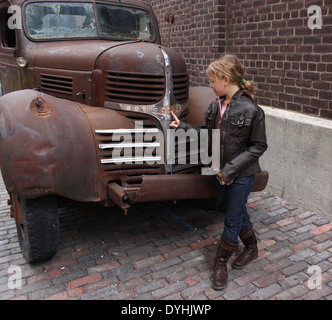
{"x": 235, "y": 197}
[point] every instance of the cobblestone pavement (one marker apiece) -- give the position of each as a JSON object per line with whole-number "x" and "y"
{"x": 161, "y": 251}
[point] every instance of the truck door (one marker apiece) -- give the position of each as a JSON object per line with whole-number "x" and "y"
{"x": 9, "y": 70}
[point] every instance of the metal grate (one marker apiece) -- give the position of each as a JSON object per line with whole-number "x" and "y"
{"x": 186, "y": 154}
{"x": 134, "y": 150}
{"x": 56, "y": 84}
{"x": 180, "y": 87}
{"x": 144, "y": 89}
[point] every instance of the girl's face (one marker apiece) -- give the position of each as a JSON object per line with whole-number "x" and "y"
{"x": 218, "y": 85}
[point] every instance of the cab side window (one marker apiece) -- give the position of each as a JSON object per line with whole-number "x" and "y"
{"x": 7, "y": 35}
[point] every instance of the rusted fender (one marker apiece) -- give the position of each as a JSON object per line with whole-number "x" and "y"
{"x": 199, "y": 100}
{"x": 47, "y": 147}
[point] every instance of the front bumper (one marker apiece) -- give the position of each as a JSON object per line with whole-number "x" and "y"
{"x": 172, "y": 187}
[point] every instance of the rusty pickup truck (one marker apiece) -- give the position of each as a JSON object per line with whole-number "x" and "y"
{"x": 87, "y": 94}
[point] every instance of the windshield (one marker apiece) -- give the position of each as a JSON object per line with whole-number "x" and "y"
{"x": 58, "y": 20}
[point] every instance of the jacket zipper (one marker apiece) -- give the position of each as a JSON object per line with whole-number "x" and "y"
{"x": 224, "y": 132}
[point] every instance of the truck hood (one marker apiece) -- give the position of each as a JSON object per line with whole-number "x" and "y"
{"x": 140, "y": 57}
{"x": 68, "y": 55}
{"x": 143, "y": 74}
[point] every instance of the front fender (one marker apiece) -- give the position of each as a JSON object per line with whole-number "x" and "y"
{"x": 47, "y": 147}
{"x": 199, "y": 100}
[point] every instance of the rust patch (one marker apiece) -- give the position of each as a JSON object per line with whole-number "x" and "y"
{"x": 41, "y": 108}
{"x": 16, "y": 209}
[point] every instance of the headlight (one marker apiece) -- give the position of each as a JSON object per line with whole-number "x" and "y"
{"x": 21, "y": 62}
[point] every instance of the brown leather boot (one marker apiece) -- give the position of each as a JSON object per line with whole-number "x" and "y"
{"x": 250, "y": 251}
{"x": 220, "y": 273}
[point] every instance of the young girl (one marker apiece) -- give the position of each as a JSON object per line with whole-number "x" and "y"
{"x": 242, "y": 128}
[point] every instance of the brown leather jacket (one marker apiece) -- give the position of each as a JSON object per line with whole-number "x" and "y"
{"x": 243, "y": 137}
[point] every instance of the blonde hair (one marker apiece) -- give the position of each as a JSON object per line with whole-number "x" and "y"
{"x": 229, "y": 65}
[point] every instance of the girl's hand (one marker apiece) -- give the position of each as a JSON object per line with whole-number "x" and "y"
{"x": 222, "y": 179}
{"x": 174, "y": 124}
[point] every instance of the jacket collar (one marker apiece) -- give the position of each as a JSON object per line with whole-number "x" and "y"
{"x": 239, "y": 94}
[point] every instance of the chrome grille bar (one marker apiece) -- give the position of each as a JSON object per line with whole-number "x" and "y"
{"x": 130, "y": 160}
{"x": 126, "y": 131}
{"x": 130, "y": 145}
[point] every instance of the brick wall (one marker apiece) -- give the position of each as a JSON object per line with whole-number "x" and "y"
{"x": 197, "y": 32}
{"x": 290, "y": 64}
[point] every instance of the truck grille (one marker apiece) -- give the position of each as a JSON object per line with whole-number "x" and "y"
{"x": 58, "y": 84}
{"x": 186, "y": 155}
{"x": 136, "y": 150}
{"x": 180, "y": 87}
{"x": 125, "y": 87}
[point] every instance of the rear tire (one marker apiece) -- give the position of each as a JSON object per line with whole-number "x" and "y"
{"x": 38, "y": 235}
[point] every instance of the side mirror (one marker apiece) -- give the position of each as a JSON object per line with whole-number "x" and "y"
{"x": 170, "y": 19}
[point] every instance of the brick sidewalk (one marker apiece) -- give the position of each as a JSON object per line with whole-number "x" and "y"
{"x": 159, "y": 251}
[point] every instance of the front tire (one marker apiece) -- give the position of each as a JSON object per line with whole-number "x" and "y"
{"x": 37, "y": 227}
